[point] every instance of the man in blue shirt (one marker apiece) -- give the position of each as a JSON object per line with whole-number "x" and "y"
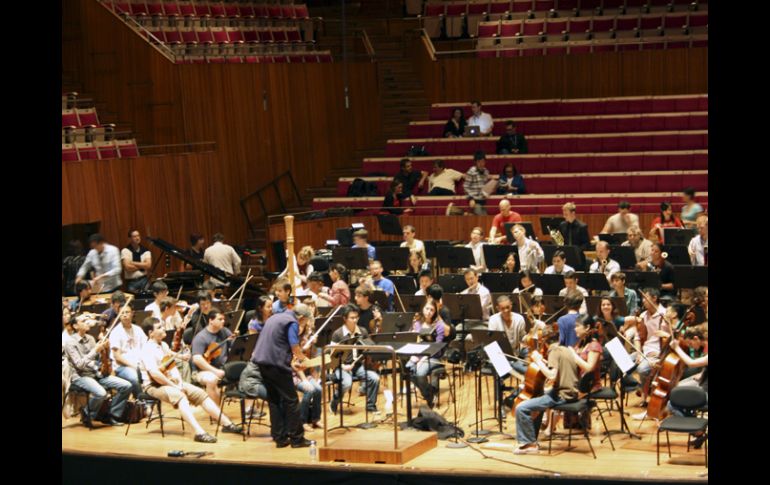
{"x": 104, "y": 260}
{"x": 382, "y": 283}
{"x": 277, "y": 345}
{"x": 567, "y": 335}
{"x": 360, "y": 241}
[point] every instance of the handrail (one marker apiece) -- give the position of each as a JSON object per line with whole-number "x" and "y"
{"x": 427, "y": 42}
{"x": 367, "y": 43}
{"x": 141, "y": 31}
{"x": 258, "y": 193}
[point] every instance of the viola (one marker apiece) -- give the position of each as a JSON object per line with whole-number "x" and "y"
{"x": 214, "y": 349}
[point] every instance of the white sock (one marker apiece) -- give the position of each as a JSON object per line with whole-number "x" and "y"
{"x": 388, "y": 395}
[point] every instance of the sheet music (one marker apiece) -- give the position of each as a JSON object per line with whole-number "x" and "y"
{"x": 413, "y": 349}
{"x": 496, "y": 356}
{"x": 619, "y": 354}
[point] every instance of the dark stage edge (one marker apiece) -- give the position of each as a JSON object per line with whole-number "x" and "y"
{"x": 87, "y": 468}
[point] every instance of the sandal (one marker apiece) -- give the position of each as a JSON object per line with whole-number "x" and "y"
{"x": 205, "y": 438}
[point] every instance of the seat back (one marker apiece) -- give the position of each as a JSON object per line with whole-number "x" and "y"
{"x": 688, "y": 398}
{"x": 233, "y": 371}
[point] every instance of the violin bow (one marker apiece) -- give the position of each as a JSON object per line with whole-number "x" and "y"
{"x": 317, "y": 332}
{"x": 403, "y": 309}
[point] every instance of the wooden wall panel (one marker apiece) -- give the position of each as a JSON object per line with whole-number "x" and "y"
{"x": 674, "y": 71}
{"x": 316, "y": 232}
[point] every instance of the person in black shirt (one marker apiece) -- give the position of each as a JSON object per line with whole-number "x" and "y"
{"x": 200, "y": 316}
{"x": 435, "y": 293}
{"x": 511, "y": 142}
{"x": 395, "y": 199}
{"x": 575, "y": 232}
{"x": 664, "y": 268}
{"x": 455, "y": 127}
{"x": 197, "y": 248}
{"x": 413, "y": 181}
{"x": 364, "y": 302}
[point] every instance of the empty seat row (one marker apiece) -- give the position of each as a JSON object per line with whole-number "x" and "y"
{"x": 296, "y": 58}
{"x": 579, "y": 106}
{"x": 208, "y": 9}
{"x": 70, "y": 134}
{"x": 554, "y": 163}
{"x": 524, "y": 204}
{"x": 592, "y": 46}
{"x": 224, "y": 35}
{"x": 581, "y": 124}
{"x": 470, "y": 7}
{"x": 605, "y": 142}
{"x": 73, "y": 152}
{"x": 78, "y": 117}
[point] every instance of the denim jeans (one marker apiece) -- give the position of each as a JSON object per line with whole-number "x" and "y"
{"x": 528, "y": 428}
{"x": 372, "y": 384}
{"x": 134, "y": 286}
{"x": 422, "y": 369}
{"x": 98, "y": 394}
{"x": 518, "y": 365}
{"x": 129, "y": 374}
{"x": 310, "y": 406}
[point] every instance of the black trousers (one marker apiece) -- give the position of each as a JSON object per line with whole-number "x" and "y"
{"x": 440, "y": 191}
{"x": 285, "y": 420}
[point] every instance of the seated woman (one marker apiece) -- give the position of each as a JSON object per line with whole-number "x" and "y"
{"x": 511, "y": 181}
{"x": 526, "y": 285}
{"x": 510, "y": 264}
{"x": 691, "y": 209}
{"x": 665, "y": 219}
{"x": 609, "y": 314}
{"x": 455, "y": 127}
{"x": 261, "y": 314}
{"x": 588, "y": 350}
{"x": 416, "y": 264}
{"x": 395, "y": 199}
{"x": 428, "y": 321}
{"x": 302, "y": 266}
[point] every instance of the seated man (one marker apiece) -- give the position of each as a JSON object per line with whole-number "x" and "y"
{"x": 205, "y": 372}
{"x": 559, "y": 265}
{"x": 354, "y": 362}
{"x": 477, "y": 188}
{"x": 159, "y": 292}
{"x": 382, "y": 283}
{"x": 621, "y": 221}
{"x": 506, "y": 215}
{"x": 413, "y": 243}
{"x": 360, "y": 241}
{"x": 603, "y": 263}
{"x": 126, "y": 341}
{"x": 117, "y": 300}
{"x": 515, "y": 329}
{"x": 618, "y": 283}
{"x": 640, "y": 245}
{"x": 699, "y": 245}
{"x": 511, "y": 142}
{"x": 481, "y": 119}
{"x": 425, "y": 280}
{"x": 167, "y": 385}
{"x": 413, "y": 180}
{"x": 475, "y": 287}
{"x": 83, "y": 357}
{"x": 563, "y": 370}
{"x": 315, "y": 287}
{"x": 477, "y": 247}
{"x": 571, "y": 284}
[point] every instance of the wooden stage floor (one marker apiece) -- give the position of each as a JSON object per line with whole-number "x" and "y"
{"x": 632, "y": 459}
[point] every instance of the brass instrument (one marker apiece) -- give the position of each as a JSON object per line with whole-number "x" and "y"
{"x": 556, "y": 236}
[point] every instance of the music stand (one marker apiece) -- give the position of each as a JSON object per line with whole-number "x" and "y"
{"x": 677, "y": 254}
{"x": 351, "y": 258}
{"x": 677, "y": 235}
{"x": 552, "y": 222}
{"x": 496, "y": 254}
{"x": 452, "y": 282}
{"x": 553, "y": 304}
{"x": 691, "y": 276}
{"x": 380, "y": 299}
{"x": 551, "y": 284}
{"x": 455, "y": 257}
{"x": 139, "y": 316}
{"x": 430, "y": 247}
{"x": 593, "y": 304}
{"x": 413, "y": 303}
{"x": 530, "y": 231}
{"x": 594, "y": 281}
{"x": 233, "y": 319}
{"x": 615, "y": 238}
{"x": 325, "y": 336}
{"x": 242, "y": 348}
{"x": 574, "y": 255}
{"x": 393, "y": 322}
{"x": 404, "y": 284}
{"x": 500, "y": 282}
{"x": 344, "y": 236}
{"x": 468, "y": 307}
{"x": 482, "y": 338}
{"x": 389, "y": 225}
{"x": 393, "y": 258}
{"x": 624, "y": 255}
{"x": 642, "y": 279}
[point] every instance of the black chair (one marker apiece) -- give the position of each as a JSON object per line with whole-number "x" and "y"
{"x": 691, "y": 400}
{"x": 74, "y": 390}
{"x": 581, "y": 407}
{"x": 229, "y": 384}
{"x": 154, "y": 403}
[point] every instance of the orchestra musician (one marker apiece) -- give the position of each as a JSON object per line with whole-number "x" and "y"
{"x": 117, "y": 300}
{"x": 205, "y": 372}
{"x": 83, "y": 290}
{"x": 618, "y": 283}
{"x": 477, "y": 248}
{"x": 604, "y": 264}
{"x": 574, "y": 231}
{"x": 700, "y": 380}
{"x": 530, "y": 252}
{"x": 515, "y": 329}
{"x": 526, "y": 285}
{"x": 641, "y": 246}
{"x": 664, "y": 268}
{"x": 339, "y": 293}
{"x": 282, "y": 290}
{"x": 315, "y": 288}
{"x": 570, "y": 285}
{"x": 475, "y": 287}
{"x": 126, "y": 341}
{"x": 159, "y": 292}
{"x": 425, "y": 280}
{"x": 382, "y": 283}
{"x": 263, "y": 311}
{"x": 413, "y": 243}
{"x": 699, "y": 245}
{"x": 427, "y": 321}
{"x": 559, "y": 263}
{"x": 509, "y": 266}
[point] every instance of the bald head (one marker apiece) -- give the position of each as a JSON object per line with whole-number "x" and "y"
{"x": 505, "y": 206}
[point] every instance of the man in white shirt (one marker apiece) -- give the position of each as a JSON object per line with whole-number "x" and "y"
{"x": 477, "y": 247}
{"x": 136, "y": 259}
{"x": 104, "y": 260}
{"x": 222, "y": 256}
{"x": 126, "y": 341}
{"x": 642, "y": 247}
{"x": 603, "y": 263}
{"x": 699, "y": 245}
{"x": 482, "y": 120}
{"x": 476, "y": 288}
{"x": 530, "y": 252}
{"x": 571, "y": 284}
{"x": 559, "y": 265}
{"x": 413, "y": 243}
{"x": 159, "y": 291}
{"x": 442, "y": 181}
{"x": 515, "y": 329}
{"x": 425, "y": 280}
{"x": 657, "y": 327}
{"x": 622, "y": 220}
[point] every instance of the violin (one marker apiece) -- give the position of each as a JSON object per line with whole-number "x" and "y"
{"x": 106, "y": 367}
{"x": 214, "y": 349}
{"x": 179, "y": 332}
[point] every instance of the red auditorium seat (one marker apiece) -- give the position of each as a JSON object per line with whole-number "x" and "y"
{"x": 250, "y": 36}
{"x": 205, "y": 36}
{"x": 301, "y": 12}
{"x": 567, "y": 5}
{"x": 274, "y": 11}
{"x": 612, "y": 5}
{"x": 509, "y": 28}
{"x": 251, "y": 59}
{"x": 234, "y": 59}
{"x": 520, "y": 6}
{"x": 488, "y": 29}
{"x": 544, "y": 5}
{"x": 600, "y": 24}
{"x": 217, "y": 10}
{"x": 287, "y": 11}
{"x": 629, "y": 46}
{"x": 171, "y": 8}
{"x": 293, "y": 35}
{"x": 279, "y": 35}
{"x": 454, "y": 19}
{"x": 215, "y": 59}
{"x": 186, "y": 8}
{"x": 201, "y": 9}
{"x": 698, "y": 19}
{"x": 158, "y": 37}
{"x": 234, "y": 35}
{"x": 138, "y": 7}
{"x": 232, "y": 10}
{"x": 87, "y": 151}
{"x": 154, "y": 7}
{"x": 498, "y": 9}
{"x": 87, "y": 117}
{"x": 69, "y": 118}
{"x": 265, "y": 35}
{"x": 69, "y": 153}
{"x": 296, "y": 58}
{"x": 246, "y": 10}
{"x": 106, "y": 149}
{"x": 674, "y": 22}
{"x": 555, "y": 26}
{"x": 127, "y": 148}
{"x": 700, "y": 43}
{"x": 260, "y": 11}
{"x": 490, "y": 53}
{"x": 588, "y": 6}
{"x": 626, "y": 23}
{"x": 533, "y": 27}
{"x": 189, "y": 36}
{"x": 219, "y": 35}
